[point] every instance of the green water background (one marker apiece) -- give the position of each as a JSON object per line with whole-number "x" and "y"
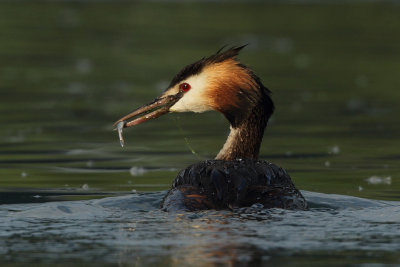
{"x": 68, "y": 70}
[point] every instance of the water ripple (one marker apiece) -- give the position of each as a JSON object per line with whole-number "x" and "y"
{"x": 132, "y": 227}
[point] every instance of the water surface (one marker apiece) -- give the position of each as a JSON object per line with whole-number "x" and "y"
{"x": 131, "y": 230}
{"x": 68, "y": 70}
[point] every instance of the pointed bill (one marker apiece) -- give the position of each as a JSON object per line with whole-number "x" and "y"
{"x": 155, "y": 109}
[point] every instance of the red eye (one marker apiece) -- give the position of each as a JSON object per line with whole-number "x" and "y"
{"x": 184, "y": 87}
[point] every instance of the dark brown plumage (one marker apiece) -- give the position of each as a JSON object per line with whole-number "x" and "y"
{"x": 221, "y": 184}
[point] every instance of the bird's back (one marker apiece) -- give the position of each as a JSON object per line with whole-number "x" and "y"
{"x": 220, "y": 184}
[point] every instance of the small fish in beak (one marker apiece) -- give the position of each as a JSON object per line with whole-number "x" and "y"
{"x": 120, "y": 126}
{"x": 155, "y": 109}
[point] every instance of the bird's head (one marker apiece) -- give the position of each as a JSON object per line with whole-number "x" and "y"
{"x": 218, "y": 82}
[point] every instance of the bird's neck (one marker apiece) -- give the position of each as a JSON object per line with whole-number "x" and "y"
{"x": 245, "y": 139}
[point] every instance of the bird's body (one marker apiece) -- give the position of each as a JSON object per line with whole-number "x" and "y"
{"x": 228, "y": 184}
{"x": 236, "y": 178}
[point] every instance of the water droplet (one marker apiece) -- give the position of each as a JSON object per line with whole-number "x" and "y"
{"x": 137, "y": 171}
{"x": 334, "y": 150}
{"x": 379, "y": 180}
{"x": 89, "y": 163}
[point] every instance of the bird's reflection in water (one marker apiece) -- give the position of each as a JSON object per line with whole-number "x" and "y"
{"x": 204, "y": 238}
{"x": 218, "y": 243}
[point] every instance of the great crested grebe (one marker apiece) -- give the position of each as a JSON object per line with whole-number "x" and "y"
{"x": 236, "y": 178}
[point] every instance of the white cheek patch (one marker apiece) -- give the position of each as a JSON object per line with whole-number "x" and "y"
{"x": 195, "y": 99}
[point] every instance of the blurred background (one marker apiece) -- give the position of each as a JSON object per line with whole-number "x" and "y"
{"x": 69, "y": 69}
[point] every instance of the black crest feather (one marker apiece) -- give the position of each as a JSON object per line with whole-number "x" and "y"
{"x": 198, "y": 66}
